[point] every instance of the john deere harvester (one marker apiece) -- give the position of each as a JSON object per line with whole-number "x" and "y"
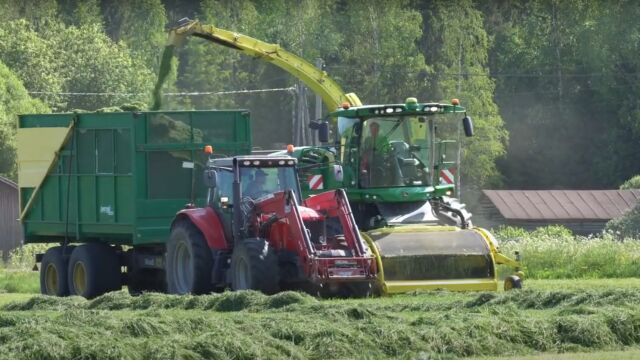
{"x": 390, "y": 159}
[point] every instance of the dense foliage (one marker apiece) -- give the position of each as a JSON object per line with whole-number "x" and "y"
{"x": 560, "y": 76}
{"x": 14, "y": 100}
{"x": 633, "y": 183}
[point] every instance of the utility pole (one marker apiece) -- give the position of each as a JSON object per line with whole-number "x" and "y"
{"x": 301, "y": 131}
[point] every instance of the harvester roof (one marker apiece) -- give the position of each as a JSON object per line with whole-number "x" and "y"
{"x": 409, "y": 108}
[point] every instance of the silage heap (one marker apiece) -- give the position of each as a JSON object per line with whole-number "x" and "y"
{"x": 249, "y": 325}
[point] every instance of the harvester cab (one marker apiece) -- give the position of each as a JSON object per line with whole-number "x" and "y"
{"x": 394, "y": 156}
{"x": 269, "y": 239}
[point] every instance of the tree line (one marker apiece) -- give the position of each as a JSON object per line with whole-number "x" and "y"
{"x": 551, "y": 85}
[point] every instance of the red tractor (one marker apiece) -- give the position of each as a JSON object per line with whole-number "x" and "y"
{"x": 257, "y": 233}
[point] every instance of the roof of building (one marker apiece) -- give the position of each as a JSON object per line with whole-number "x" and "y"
{"x": 6, "y": 181}
{"x": 563, "y": 204}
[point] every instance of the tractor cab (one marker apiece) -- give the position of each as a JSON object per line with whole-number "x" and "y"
{"x": 254, "y": 177}
{"x": 397, "y": 161}
{"x": 401, "y": 145}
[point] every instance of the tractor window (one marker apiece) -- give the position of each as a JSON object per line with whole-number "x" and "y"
{"x": 348, "y": 128}
{"x": 447, "y": 144}
{"x": 394, "y": 152}
{"x": 260, "y": 181}
{"x": 224, "y": 187}
{"x": 345, "y": 125}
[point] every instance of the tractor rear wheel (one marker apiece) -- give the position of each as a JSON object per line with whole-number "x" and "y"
{"x": 254, "y": 266}
{"x": 94, "y": 269}
{"x": 53, "y": 272}
{"x": 188, "y": 261}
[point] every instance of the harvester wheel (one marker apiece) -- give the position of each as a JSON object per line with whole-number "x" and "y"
{"x": 94, "y": 269}
{"x": 254, "y": 265}
{"x": 188, "y": 261}
{"x": 53, "y": 273}
{"x": 512, "y": 282}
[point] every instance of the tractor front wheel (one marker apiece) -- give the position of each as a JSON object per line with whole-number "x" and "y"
{"x": 254, "y": 266}
{"x": 188, "y": 261}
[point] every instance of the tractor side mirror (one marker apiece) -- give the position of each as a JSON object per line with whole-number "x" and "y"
{"x": 467, "y": 124}
{"x": 210, "y": 178}
{"x": 323, "y": 132}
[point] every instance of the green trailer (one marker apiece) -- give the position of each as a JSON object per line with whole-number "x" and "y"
{"x": 115, "y": 181}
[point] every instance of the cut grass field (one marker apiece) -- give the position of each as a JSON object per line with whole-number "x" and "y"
{"x": 549, "y": 317}
{"x": 592, "y": 312}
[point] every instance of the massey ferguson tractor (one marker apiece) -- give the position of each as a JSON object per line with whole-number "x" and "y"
{"x": 256, "y": 233}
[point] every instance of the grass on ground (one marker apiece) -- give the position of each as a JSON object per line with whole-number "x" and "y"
{"x": 631, "y": 354}
{"x": 248, "y": 325}
{"x": 19, "y": 281}
{"x": 555, "y": 253}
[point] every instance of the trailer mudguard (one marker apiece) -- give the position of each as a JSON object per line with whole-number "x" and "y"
{"x": 208, "y": 222}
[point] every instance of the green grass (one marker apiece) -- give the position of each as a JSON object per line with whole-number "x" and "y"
{"x": 248, "y": 325}
{"x": 19, "y": 281}
{"x": 582, "y": 284}
{"x": 7, "y": 298}
{"x": 554, "y": 253}
{"x": 582, "y": 316}
{"x": 631, "y": 354}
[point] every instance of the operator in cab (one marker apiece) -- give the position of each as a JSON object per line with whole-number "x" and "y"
{"x": 374, "y": 150}
{"x": 255, "y": 189}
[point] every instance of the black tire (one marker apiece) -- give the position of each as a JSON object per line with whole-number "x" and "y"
{"x": 512, "y": 282}
{"x": 347, "y": 290}
{"x": 94, "y": 269}
{"x": 146, "y": 280}
{"x": 188, "y": 261}
{"x": 254, "y": 266}
{"x": 53, "y": 273}
{"x": 358, "y": 290}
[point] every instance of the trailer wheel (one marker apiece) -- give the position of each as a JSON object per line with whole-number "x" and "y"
{"x": 254, "y": 266}
{"x": 189, "y": 261}
{"x": 94, "y": 269}
{"x": 53, "y": 273}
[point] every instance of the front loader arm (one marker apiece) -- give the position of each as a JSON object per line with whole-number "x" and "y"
{"x": 317, "y": 80}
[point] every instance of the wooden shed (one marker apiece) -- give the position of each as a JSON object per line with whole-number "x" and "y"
{"x": 10, "y": 228}
{"x": 583, "y": 211}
